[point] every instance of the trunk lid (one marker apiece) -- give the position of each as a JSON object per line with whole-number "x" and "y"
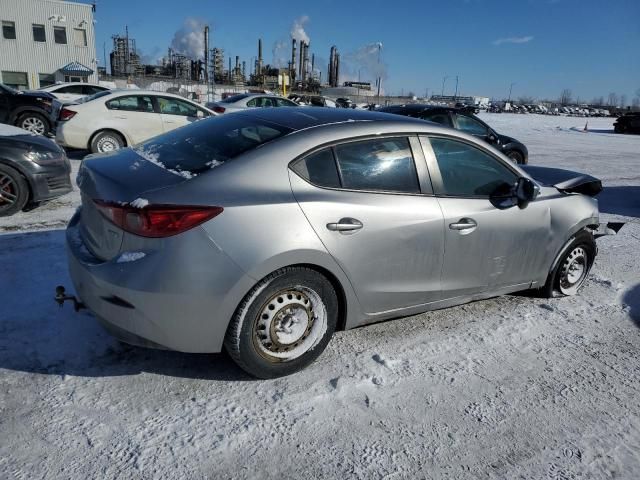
{"x": 121, "y": 177}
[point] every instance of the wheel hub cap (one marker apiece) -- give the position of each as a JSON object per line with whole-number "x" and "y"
{"x": 33, "y": 125}
{"x": 7, "y": 191}
{"x": 574, "y": 271}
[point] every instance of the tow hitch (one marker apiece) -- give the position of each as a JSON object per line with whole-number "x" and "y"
{"x": 610, "y": 228}
{"x": 61, "y": 297}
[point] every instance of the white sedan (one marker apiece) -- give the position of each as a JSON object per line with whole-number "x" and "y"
{"x": 243, "y": 101}
{"x": 69, "y": 92}
{"x": 118, "y": 118}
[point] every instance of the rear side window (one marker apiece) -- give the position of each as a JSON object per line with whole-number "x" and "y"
{"x": 468, "y": 171}
{"x": 319, "y": 168}
{"x": 208, "y": 143}
{"x": 441, "y": 118}
{"x": 384, "y": 164}
{"x": 471, "y": 125}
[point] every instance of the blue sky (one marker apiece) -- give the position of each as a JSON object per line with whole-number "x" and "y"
{"x": 589, "y": 46}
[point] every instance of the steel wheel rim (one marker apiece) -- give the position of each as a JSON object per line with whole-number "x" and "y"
{"x": 289, "y": 324}
{"x": 8, "y": 191}
{"x": 108, "y": 144}
{"x": 33, "y": 125}
{"x": 574, "y": 271}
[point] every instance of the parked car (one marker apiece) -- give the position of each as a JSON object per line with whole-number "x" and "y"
{"x": 365, "y": 216}
{"x": 27, "y": 110}
{"x": 628, "y": 123}
{"x": 345, "y": 103}
{"x": 33, "y": 169}
{"x": 69, "y": 92}
{"x": 114, "y": 119}
{"x": 243, "y": 101}
{"x": 463, "y": 119}
{"x": 313, "y": 100}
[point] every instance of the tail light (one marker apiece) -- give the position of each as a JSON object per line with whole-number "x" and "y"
{"x": 156, "y": 221}
{"x": 66, "y": 114}
{"x": 219, "y": 109}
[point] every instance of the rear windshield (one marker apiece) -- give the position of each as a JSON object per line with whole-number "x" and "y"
{"x": 206, "y": 144}
{"x": 234, "y": 98}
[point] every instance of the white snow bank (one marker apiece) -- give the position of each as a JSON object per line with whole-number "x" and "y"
{"x": 11, "y": 131}
{"x": 150, "y": 153}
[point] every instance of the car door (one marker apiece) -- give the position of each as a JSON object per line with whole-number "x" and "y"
{"x": 176, "y": 113}
{"x": 473, "y": 126}
{"x": 135, "y": 116}
{"x": 486, "y": 248}
{"x": 376, "y": 217}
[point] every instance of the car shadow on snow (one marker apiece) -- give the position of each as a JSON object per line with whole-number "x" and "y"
{"x": 36, "y": 336}
{"x": 620, "y": 200}
{"x": 631, "y": 299}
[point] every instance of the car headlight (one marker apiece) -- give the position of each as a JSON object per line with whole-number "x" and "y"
{"x": 45, "y": 158}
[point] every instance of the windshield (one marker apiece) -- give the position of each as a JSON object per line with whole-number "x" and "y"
{"x": 206, "y": 144}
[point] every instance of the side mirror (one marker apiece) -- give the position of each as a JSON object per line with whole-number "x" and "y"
{"x": 526, "y": 191}
{"x": 492, "y": 137}
{"x": 199, "y": 114}
{"x": 521, "y": 194}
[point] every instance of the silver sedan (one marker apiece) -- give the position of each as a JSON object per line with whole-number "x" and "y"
{"x": 240, "y": 102}
{"x": 266, "y": 231}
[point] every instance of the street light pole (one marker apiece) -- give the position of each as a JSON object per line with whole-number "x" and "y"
{"x": 510, "y": 89}
{"x": 379, "y": 77}
{"x": 456, "y": 95}
{"x": 444, "y": 79}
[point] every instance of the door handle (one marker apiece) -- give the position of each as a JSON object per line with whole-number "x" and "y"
{"x": 346, "y": 224}
{"x": 463, "y": 224}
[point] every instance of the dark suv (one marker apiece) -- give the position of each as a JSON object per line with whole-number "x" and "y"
{"x": 463, "y": 119}
{"x": 628, "y": 123}
{"x": 27, "y": 110}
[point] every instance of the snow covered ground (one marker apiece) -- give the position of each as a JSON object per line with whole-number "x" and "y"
{"x": 513, "y": 387}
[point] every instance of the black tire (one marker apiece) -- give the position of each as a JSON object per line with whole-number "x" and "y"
{"x": 253, "y": 336}
{"x": 107, "y": 141}
{"x": 14, "y": 191}
{"x": 554, "y": 286}
{"x": 34, "y": 123}
{"x": 516, "y": 157}
{"x": 618, "y": 128}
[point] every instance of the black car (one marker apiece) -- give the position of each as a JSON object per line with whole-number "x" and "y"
{"x": 345, "y": 103}
{"x": 463, "y": 119}
{"x": 628, "y": 123}
{"x": 27, "y": 110}
{"x": 33, "y": 169}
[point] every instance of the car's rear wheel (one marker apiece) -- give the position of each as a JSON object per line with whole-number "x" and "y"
{"x": 516, "y": 157}
{"x": 14, "y": 191}
{"x": 617, "y": 128}
{"x": 283, "y": 324}
{"x": 33, "y": 122}
{"x": 573, "y": 267}
{"x": 107, "y": 141}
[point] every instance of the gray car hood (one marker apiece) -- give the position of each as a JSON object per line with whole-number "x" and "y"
{"x": 564, "y": 180}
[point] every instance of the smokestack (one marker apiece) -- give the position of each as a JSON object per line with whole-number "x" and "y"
{"x": 206, "y": 53}
{"x": 244, "y": 69}
{"x": 229, "y": 69}
{"x": 313, "y": 63}
{"x": 237, "y": 63}
{"x": 301, "y": 59}
{"x": 337, "y": 79}
{"x": 293, "y": 59}
{"x": 306, "y": 62}
{"x": 259, "y": 56}
{"x": 332, "y": 66}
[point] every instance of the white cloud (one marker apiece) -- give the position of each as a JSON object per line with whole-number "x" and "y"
{"x": 500, "y": 41}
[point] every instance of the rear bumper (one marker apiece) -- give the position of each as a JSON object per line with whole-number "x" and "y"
{"x": 179, "y": 296}
{"x": 71, "y": 137}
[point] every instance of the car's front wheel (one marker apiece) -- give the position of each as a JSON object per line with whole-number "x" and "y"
{"x": 573, "y": 267}
{"x": 14, "y": 191}
{"x": 33, "y": 122}
{"x": 516, "y": 157}
{"x": 284, "y": 323}
{"x": 107, "y": 141}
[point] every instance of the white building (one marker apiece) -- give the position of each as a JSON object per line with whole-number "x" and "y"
{"x": 46, "y": 41}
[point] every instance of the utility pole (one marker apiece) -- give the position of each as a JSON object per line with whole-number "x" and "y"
{"x": 510, "y": 89}
{"x": 444, "y": 79}
{"x": 426, "y": 93}
{"x": 379, "y": 77}
{"x": 456, "y": 95}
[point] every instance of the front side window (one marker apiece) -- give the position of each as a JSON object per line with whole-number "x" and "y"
{"x": 471, "y": 125}
{"x": 383, "y": 164}
{"x": 39, "y": 34}
{"x": 72, "y": 89}
{"x": 60, "y": 35}
{"x": 174, "y": 106}
{"x": 281, "y": 102}
{"x": 133, "y": 103}
{"x": 9, "y": 30}
{"x": 319, "y": 168}
{"x": 80, "y": 37}
{"x": 467, "y": 171}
